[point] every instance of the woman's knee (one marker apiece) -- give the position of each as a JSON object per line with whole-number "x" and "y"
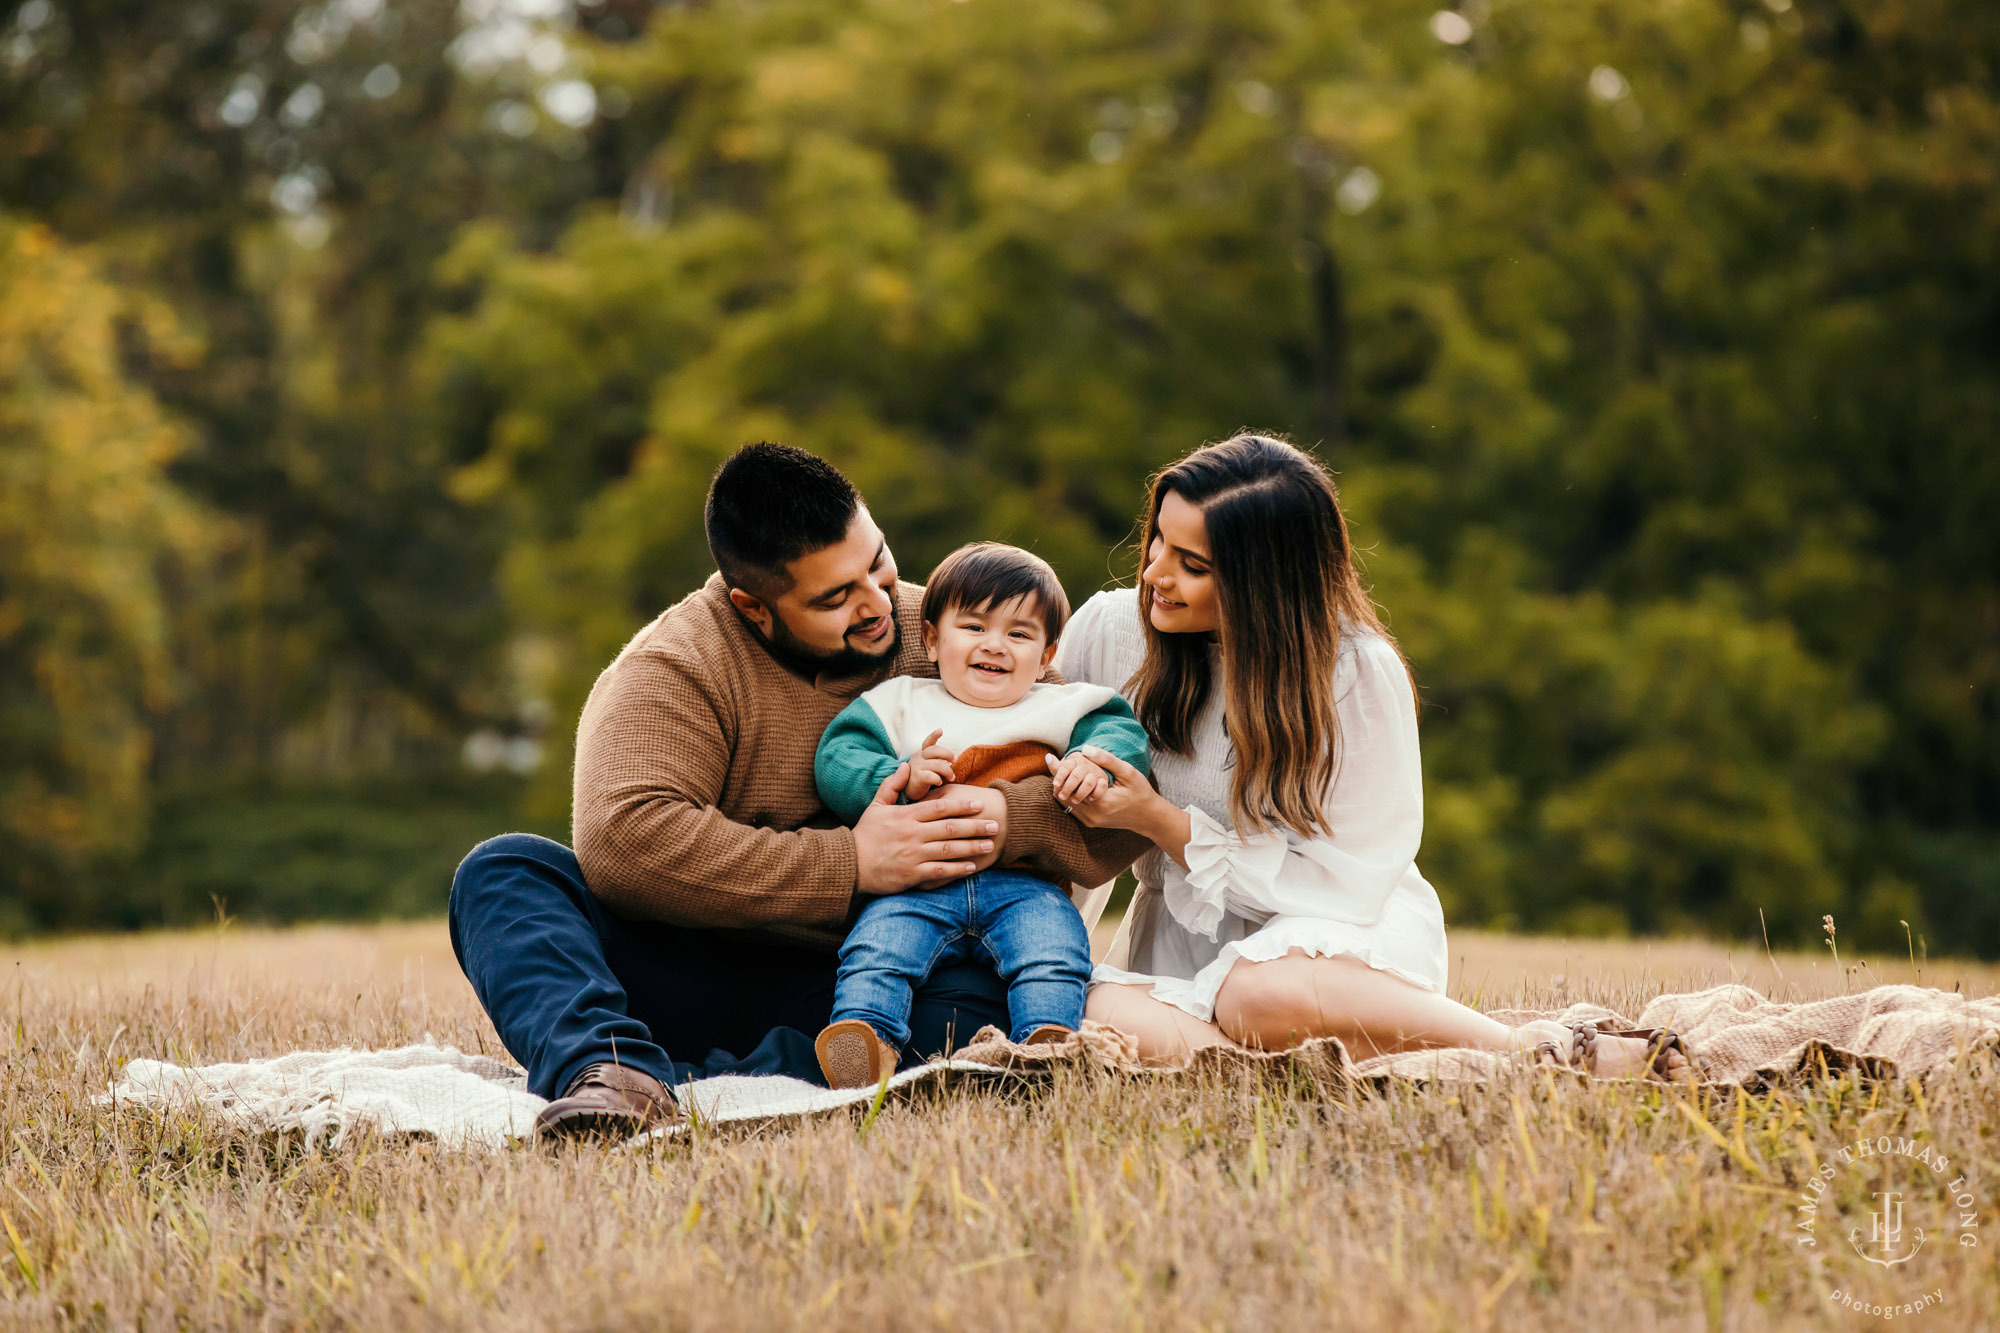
{"x": 1105, "y": 1004}
{"x": 1164, "y": 1035}
{"x": 1131, "y": 1011}
{"x": 1270, "y": 1005}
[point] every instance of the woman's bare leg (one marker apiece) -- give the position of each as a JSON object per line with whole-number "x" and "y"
{"x": 1166, "y": 1035}
{"x": 1288, "y": 1000}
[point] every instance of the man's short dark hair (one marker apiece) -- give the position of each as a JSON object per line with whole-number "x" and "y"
{"x": 984, "y": 575}
{"x": 768, "y": 505}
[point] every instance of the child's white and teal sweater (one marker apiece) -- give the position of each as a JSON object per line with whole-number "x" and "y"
{"x": 887, "y": 725}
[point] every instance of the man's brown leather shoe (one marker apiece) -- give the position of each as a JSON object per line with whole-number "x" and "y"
{"x": 608, "y": 1100}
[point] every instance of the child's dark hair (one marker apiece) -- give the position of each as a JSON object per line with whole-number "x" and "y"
{"x": 983, "y": 575}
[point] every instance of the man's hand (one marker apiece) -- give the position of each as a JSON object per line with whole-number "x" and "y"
{"x": 931, "y": 770}
{"x": 898, "y": 847}
{"x": 1078, "y": 778}
{"x": 992, "y": 807}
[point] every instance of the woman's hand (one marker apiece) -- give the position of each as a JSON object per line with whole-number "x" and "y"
{"x": 1119, "y": 805}
{"x": 1078, "y": 778}
{"x": 1131, "y": 803}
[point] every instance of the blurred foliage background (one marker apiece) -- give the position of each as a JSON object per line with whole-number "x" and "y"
{"x": 362, "y": 364}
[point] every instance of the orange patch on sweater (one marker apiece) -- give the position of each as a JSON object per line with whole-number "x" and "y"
{"x": 984, "y": 765}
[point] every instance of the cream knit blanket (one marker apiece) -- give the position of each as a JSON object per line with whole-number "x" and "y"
{"x": 1737, "y": 1036}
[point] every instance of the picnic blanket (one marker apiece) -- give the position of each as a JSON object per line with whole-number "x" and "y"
{"x": 1741, "y": 1038}
{"x": 1738, "y": 1037}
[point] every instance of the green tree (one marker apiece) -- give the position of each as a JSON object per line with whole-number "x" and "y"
{"x": 1654, "y": 346}
{"x": 285, "y": 174}
{"x": 1700, "y": 298}
{"x": 89, "y": 528}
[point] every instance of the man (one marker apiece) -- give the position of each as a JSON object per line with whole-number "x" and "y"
{"x": 709, "y": 888}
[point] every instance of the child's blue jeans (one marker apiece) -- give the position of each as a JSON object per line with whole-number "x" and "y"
{"x": 1027, "y": 928}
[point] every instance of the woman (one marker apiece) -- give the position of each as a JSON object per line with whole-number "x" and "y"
{"x": 1282, "y": 901}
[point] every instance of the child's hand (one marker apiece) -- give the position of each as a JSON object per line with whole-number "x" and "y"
{"x": 930, "y": 770}
{"x": 1078, "y": 780}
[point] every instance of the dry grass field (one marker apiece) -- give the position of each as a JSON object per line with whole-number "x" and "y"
{"x": 1098, "y": 1201}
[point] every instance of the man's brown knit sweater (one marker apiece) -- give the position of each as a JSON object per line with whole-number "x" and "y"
{"x": 694, "y": 799}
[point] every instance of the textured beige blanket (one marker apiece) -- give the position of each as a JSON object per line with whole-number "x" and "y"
{"x": 1737, "y": 1036}
{"x": 468, "y": 1101}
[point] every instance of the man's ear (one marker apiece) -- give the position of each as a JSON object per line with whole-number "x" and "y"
{"x": 930, "y": 641}
{"x": 753, "y": 610}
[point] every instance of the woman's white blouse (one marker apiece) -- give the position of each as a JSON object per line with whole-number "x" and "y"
{"x": 1355, "y": 892}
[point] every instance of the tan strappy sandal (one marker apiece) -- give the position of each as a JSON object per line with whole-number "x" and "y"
{"x": 1582, "y": 1052}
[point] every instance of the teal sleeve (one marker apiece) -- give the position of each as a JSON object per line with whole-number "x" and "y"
{"x": 1114, "y": 727}
{"x": 853, "y": 760}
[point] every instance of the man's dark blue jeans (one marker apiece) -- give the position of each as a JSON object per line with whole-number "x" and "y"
{"x": 568, "y": 984}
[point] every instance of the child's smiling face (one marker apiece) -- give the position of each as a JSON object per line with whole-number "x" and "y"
{"x": 990, "y": 658}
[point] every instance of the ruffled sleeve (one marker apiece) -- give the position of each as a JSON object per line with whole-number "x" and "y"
{"x": 1375, "y": 807}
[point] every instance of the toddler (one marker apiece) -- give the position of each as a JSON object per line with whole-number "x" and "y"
{"x": 991, "y": 617}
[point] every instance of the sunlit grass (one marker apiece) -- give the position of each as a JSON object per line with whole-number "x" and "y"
{"x": 1094, "y": 1201}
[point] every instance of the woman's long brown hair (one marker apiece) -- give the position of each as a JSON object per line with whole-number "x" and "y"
{"x": 1285, "y": 582}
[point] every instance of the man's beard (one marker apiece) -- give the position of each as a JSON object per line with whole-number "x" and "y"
{"x": 801, "y": 657}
